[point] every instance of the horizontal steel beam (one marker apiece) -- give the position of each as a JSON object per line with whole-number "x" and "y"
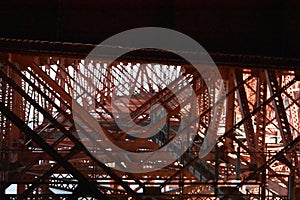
{"x": 80, "y": 51}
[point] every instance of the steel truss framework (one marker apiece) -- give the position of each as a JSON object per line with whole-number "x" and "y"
{"x": 256, "y": 156}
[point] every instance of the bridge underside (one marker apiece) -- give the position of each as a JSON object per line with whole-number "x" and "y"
{"x": 60, "y": 115}
{"x": 46, "y": 153}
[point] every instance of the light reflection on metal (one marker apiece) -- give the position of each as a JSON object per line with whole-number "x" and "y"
{"x": 189, "y": 176}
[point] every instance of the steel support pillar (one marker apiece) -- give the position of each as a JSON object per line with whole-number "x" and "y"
{"x": 245, "y": 111}
{"x": 281, "y": 116}
{"x": 291, "y": 187}
{"x": 229, "y": 106}
{"x": 238, "y": 163}
{"x": 261, "y": 97}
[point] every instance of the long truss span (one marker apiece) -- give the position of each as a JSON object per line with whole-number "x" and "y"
{"x": 47, "y": 153}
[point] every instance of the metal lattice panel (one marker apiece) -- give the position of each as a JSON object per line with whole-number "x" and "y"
{"x": 42, "y": 149}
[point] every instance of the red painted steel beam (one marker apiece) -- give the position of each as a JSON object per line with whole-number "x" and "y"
{"x": 81, "y": 50}
{"x": 281, "y": 116}
{"x": 245, "y": 111}
{"x": 67, "y": 133}
{"x": 47, "y": 148}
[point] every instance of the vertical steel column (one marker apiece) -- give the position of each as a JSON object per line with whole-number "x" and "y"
{"x": 279, "y": 108}
{"x": 16, "y": 106}
{"x": 229, "y": 106}
{"x": 281, "y": 116}
{"x": 217, "y": 164}
{"x": 238, "y": 163}
{"x": 4, "y": 130}
{"x": 245, "y": 111}
{"x": 291, "y": 187}
{"x": 261, "y": 97}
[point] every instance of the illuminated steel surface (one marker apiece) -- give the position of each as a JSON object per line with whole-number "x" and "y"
{"x": 43, "y": 156}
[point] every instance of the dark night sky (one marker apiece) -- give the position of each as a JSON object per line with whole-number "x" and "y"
{"x": 247, "y": 27}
